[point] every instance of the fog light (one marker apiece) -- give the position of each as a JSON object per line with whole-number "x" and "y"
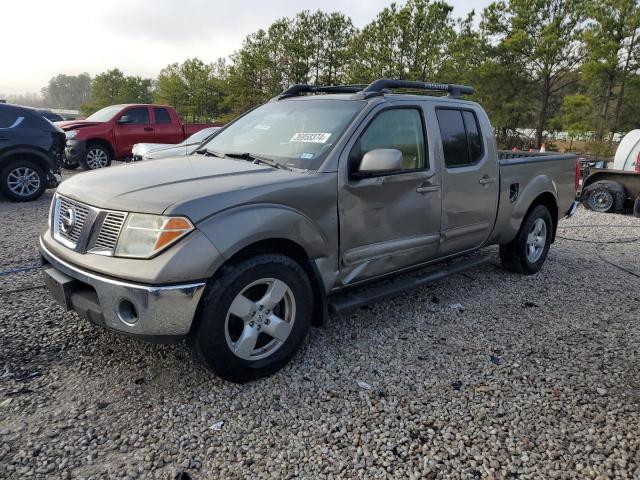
{"x": 127, "y": 312}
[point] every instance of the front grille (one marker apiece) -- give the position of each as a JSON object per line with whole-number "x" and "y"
{"x": 81, "y": 213}
{"x": 110, "y": 230}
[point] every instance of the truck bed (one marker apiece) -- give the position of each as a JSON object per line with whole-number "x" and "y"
{"x": 522, "y": 175}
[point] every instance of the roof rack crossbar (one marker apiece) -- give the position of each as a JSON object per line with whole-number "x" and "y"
{"x": 295, "y": 90}
{"x": 377, "y": 87}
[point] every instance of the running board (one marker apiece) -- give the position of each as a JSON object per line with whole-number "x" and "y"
{"x": 377, "y": 292}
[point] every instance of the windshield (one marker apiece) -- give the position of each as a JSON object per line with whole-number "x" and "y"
{"x": 199, "y": 136}
{"x": 298, "y": 133}
{"x": 106, "y": 114}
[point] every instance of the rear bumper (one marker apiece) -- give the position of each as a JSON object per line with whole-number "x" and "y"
{"x": 572, "y": 210}
{"x": 152, "y": 312}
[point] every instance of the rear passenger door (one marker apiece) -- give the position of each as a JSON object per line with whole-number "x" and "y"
{"x": 166, "y": 129}
{"x": 469, "y": 180}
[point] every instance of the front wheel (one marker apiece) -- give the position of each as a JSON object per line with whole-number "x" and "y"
{"x": 527, "y": 252}
{"x": 253, "y": 317}
{"x": 96, "y": 157}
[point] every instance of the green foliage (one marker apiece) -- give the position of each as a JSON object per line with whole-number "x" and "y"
{"x": 67, "y": 91}
{"x": 546, "y": 65}
{"x": 113, "y": 87}
{"x": 194, "y": 88}
{"x": 407, "y": 42}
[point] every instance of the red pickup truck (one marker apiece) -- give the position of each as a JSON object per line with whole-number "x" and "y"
{"x": 110, "y": 133}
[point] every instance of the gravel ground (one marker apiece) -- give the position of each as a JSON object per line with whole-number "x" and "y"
{"x": 535, "y": 377}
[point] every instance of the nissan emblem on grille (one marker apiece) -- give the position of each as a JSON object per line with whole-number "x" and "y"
{"x": 68, "y": 219}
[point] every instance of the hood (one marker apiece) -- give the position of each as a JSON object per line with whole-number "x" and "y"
{"x": 143, "y": 148}
{"x": 74, "y": 124}
{"x": 179, "y": 185}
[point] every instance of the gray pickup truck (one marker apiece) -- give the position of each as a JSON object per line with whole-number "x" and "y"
{"x": 289, "y": 211}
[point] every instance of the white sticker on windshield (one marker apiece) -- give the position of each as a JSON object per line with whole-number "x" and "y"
{"x": 307, "y": 156}
{"x": 310, "y": 137}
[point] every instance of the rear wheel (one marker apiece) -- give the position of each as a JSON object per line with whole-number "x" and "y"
{"x": 97, "y": 156}
{"x": 528, "y": 251}
{"x": 604, "y": 196}
{"x": 253, "y": 317}
{"x": 22, "y": 180}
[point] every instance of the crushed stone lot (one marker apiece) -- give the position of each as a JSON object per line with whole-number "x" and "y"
{"x": 529, "y": 377}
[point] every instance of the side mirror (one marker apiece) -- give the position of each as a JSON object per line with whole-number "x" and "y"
{"x": 378, "y": 161}
{"x": 124, "y": 119}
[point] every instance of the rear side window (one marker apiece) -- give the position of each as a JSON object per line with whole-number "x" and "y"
{"x": 10, "y": 118}
{"x": 460, "y": 136}
{"x": 162, "y": 116}
{"x": 138, "y": 115}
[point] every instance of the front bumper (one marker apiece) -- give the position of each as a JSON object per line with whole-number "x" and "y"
{"x": 75, "y": 151}
{"x": 153, "y": 312}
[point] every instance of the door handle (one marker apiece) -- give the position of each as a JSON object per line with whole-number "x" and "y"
{"x": 486, "y": 180}
{"x": 148, "y": 129}
{"x": 428, "y": 188}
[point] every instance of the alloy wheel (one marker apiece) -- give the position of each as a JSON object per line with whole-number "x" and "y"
{"x": 23, "y": 181}
{"x": 260, "y": 319}
{"x": 97, "y": 158}
{"x": 536, "y": 240}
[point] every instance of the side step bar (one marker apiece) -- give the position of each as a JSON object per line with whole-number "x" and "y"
{"x": 377, "y": 292}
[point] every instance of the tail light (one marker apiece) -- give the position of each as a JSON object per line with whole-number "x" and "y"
{"x": 577, "y": 178}
{"x": 638, "y": 163}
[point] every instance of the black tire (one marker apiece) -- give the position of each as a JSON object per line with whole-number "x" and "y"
{"x": 211, "y": 337}
{"x": 93, "y": 150}
{"x": 12, "y": 173}
{"x": 636, "y": 207}
{"x": 604, "y": 196}
{"x": 514, "y": 255}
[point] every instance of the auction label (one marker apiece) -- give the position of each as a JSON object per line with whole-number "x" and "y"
{"x": 310, "y": 137}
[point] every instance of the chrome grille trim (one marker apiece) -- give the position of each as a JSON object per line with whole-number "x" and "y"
{"x": 95, "y": 231}
{"x": 71, "y": 238}
{"x": 110, "y": 230}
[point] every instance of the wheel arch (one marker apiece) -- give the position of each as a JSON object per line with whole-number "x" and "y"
{"x": 295, "y": 251}
{"x": 34, "y": 155}
{"x": 548, "y": 200}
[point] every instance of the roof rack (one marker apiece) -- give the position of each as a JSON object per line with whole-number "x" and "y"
{"x": 299, "y": 88}
{"x": 376, "y": 88}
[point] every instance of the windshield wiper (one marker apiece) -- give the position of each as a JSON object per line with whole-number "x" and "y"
{"x": 255, "y": 159}
{"x": 209, "y": 153}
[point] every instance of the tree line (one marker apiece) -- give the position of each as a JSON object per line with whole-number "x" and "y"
{"x": 546, "y": 65}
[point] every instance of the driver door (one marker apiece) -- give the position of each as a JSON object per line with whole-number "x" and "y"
{"x": 388, "y": 221}
{"x": 131, "y": 127}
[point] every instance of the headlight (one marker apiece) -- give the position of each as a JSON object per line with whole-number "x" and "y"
{"x": 144, "y": 235}
{"x": 71, "y": 134}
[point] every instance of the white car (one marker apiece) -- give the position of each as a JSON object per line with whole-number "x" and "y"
{"x": 148, "y": 151}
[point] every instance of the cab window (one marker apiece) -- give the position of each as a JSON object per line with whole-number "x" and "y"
{"x": 138, "y": 115}
{"x": 460, "y": 135}
{"x": 398, "y": 128}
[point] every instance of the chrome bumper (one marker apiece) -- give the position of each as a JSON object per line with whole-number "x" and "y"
{"x": 150, "y": 311}
{"x": 572, "y": 210}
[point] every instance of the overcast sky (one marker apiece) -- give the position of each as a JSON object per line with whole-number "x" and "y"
{"x": 41, "y": 38}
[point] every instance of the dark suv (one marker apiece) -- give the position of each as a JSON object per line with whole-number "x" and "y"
{"x": 31, "y": 150}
